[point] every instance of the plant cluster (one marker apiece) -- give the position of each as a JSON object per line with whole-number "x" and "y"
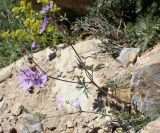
{"x": 30, "y": 14}
{"x": 133, "y": 23}
{"x": 24, "y": 22}
{"x": 40, "y": 23}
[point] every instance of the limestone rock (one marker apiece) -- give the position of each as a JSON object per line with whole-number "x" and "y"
{"x": 149, "y": 58}
{"x": 70, "y": 124}
{"x": 25, "y": 128}
{"x": 44, "y": 101}
{"x": 152, "y": 127}
{"x": 16, "y": 109}
{"x": 3, "y": 107}
{"x": 29, "y": 119}
{"x": 146, "y": 83}
{"x": 145, "y": 96}
{"x": 128, "y": 55}
{"x": 30, "y": 124}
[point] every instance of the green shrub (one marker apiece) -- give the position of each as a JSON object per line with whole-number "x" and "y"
{"x": 21, "y": 21}
{"x": 8, "y": 51}
{"x": 132, "y": 22}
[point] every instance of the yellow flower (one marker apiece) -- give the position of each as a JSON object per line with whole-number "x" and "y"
{"x": 16, "y": 10}
{"x": 5, "y": 34}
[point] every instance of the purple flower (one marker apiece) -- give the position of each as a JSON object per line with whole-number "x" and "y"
{"x": 42, "y": 78}
{"x": 47, "y": 8}
{"x": 51, "y": 4}
{"x": 26, "y": 78}
{"x": 44, "y": 9}
{"x": 77, "y": 103}
{"x": 60, "y": 102}
{"x": 33, "y": 46}
{"x": 29, "y": 78}
{"x": 44, "y": 25}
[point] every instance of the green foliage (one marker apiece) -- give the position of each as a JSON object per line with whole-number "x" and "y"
{"x": 135, "y": 120}
{"x": 158, "y": 109}
{"x": 145, "y": 32}
{"x": 20, "y": 22}
{"x": 93, "y": 68}
{"x": 9, "y": 52}
{"x": 7, "y": 20}
{"x": 132, "y": 22}
{"x": 40, "y": 116}
{"x": 82, "y": 85}
{"x": 31, "y": 20}
{"x": 114, "y": 84}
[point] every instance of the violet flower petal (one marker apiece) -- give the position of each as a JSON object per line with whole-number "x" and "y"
{"x": 77, "y": 103}
{"x": 26, "y": 84}
{"x": 33, "y": 46}
{"x": 51, "y": 4}
{"x": 60, "y": 102}
{"x": 44, "y": 25}
{"x": 26, "y": 78}
{"x": 42, "y": 78}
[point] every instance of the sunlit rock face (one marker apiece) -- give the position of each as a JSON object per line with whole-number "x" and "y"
{"x": 146, "y": 83}
{"x": 77, "y": 6}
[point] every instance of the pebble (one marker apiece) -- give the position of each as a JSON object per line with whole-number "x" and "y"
{"x": 128, "y": 55}
{"x": 1, "y": 130}
{"x": 35, "y": 128}
{"x": 58, "y": 53}
{"x": 101, "y": 131}
{"x": 70, "y": 124}
{"x": 16, "y": 109}
{"x": 3, "y": 107}
{"x": 29, "y": 119}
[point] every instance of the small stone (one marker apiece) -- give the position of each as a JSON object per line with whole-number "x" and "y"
{"x": 30, "y": 124}
{"x": 70, "y": 124}
{"x": 29, "y": 119}
{"x": 13, "y": 119}
{"x": 59, "y": 74}
{"x": 16, "y": 109}
{"x": 58, "y": 53}
{"x": 62, "y": 46}
{"x": 49, "y": 125}
{"x": 91, "y": 124}
{"x": 128, "y": 55}
{"x": 62, "y": 127}
{"x": 107, "y": 65}
{"x": 69, "y": 130}
{"x": 132, "y": 57}
{"x": 101, "y": 131}
{"x": 3, "y": 107}
{"x": 26, "y": 128}
{"x": 1, "y": 130}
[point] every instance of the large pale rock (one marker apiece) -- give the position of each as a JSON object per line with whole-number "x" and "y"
{"x": 44, "y": 100}
{"x": 77, "y": 6}
{"x": 146, "y": 83}
{"x": 148, "y": 58}
{"x": 152, "y": 127}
